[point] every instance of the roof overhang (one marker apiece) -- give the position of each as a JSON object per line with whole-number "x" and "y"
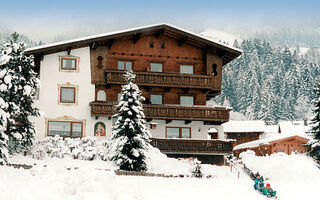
{"x": 226, "y": 52}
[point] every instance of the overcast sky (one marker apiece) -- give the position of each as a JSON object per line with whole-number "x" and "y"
{"x": 47, "y": 19}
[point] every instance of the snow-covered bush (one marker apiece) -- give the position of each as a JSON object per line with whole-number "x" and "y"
{"x": 197, "y": 168}
{"x": 87, "y": 148}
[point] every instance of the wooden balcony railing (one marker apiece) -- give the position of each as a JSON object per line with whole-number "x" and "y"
{"x": 166, "y": 111}
{"x": 192, "y": 146}
{"x": 164, "y": 79}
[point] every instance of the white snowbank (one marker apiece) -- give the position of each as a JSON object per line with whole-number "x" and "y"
{"x": 292, "y": 176}
{"x": 84, "y": 180}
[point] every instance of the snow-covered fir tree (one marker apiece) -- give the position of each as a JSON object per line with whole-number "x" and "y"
{"x": 130, "y": 138}
{"x": 3, "y": 136}
{"x": 19, "y": 93}
{"x": 315, "y": 131}
{"x": 269, "y": 83}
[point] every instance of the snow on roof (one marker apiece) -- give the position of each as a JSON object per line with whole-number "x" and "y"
{"x": 242, "y": 126}
{"x": 266, "y": 141}
{"x": 293, "y": 127}
{"x": 127, "y": 30}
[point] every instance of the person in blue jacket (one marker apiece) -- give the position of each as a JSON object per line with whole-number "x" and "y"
{"x": 258, "y": 182}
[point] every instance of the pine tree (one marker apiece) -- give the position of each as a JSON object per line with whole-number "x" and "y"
{"x": 130, "y": 137}
{"x": 315, "y": 131}
{"x": 20, "y": 95}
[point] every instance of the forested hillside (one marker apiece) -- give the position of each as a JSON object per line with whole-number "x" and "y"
{"x": 270, "y": 83}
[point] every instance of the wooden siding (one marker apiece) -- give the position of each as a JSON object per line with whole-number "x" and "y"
{"x": 174, "y": 112}
{"x": 286, "y": 145}
{"x": 192, "y": 146}
{"x": 104, "y": 64}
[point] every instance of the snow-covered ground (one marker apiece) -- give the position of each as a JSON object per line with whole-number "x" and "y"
{"x": 54, "y": 178}
{"x": 292, "y": 176}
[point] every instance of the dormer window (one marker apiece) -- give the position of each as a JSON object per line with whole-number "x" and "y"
{"x": 69, "y": 63}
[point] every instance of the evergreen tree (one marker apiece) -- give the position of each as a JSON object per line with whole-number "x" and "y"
{"x": 130, "y": 137}
{"x": 20, "y": 95}
{"x": 269, "y": 83}
{"x": 315, "y": 131}
{"x": 3, "y": 136}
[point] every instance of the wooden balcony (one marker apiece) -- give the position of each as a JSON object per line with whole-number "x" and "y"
{"x": 192, "y": 146}
{"x": 164, "y": 80}
{"x": 168, "y": 112}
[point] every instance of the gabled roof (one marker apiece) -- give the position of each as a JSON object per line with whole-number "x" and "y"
{"x": 270, "y": 140}
{"x": 228, "y": 53}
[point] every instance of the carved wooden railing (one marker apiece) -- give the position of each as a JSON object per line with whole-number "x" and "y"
{"x": 164, "y": 79}
{"x": 166, "y": 111}
{"x": 192, "y": 146}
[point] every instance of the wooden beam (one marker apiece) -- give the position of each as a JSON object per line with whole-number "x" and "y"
{"x": 41, "y": 56}
{"x": 186, "y": 90}
{"x": 148, "y": 88}
{"x": 136, "y": 37}
{"x": 182, "y": 40}
{"x": 109, "y": 44}
{"x": 93, "y": 45}
{"x": 168, "y": 121}
{"x": 187, "y": 121}
{"x": 159, "y": 33}
{"x": 69, "y": 51}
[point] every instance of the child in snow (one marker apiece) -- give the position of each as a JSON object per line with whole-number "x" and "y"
{"x": 268, "y": 191}
{"x": 258, "y": 182}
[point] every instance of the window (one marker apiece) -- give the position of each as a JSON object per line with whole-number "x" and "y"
{"x": 156, "y": 99}
{"x": 101, "y": 95}
{"x": 214, "y": 70}
{"x": 124, "y": 65}
{"x": 187, "y": 100}
{"x": 65, "y": 129}
{"x": 178, "y": 132}
{"x": 185, "y": 132}
{"x": 37, "y": 93}
{"x": 186, "y": 69}
{"x": 69, "y": 63}
{"x": 156, "y": 67}
{"x": 67, "y": 94}
{"x": 119, "y": 96}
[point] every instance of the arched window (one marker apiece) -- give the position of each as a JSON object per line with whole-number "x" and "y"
{"x": 101, "y": 95}
{"x": 214, "y": 70}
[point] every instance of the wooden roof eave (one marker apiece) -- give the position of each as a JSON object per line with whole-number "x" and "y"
{"x": 190, "y": 38}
